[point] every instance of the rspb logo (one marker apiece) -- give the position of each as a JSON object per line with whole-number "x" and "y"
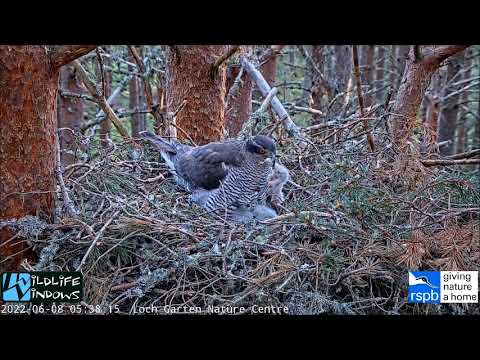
{"x": 424, "y": 287}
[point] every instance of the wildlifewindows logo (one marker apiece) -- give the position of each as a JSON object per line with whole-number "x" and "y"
{"x": 435, "y": 287}
{"x": 41, "y": 287}
{"x": 16, "y": 286}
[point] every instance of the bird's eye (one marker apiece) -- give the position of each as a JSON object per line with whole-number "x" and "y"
{"x": 262, "y": 151}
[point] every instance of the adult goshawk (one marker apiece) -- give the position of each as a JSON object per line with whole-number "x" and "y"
{"x": 221, "y": 175}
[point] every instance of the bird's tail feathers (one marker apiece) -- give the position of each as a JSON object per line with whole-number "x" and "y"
{"x": 169, "y": 157}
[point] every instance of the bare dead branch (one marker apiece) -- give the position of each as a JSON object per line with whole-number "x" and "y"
{"x": 450, "y": 162}
{"x": 439, "y": 54}
{"x": 64, "y": 54}
{"x": 265, "y": 89}
{"x": 65, "y": 93}
{"x": 465, "y": 155}
{"x": 102, "y": 70}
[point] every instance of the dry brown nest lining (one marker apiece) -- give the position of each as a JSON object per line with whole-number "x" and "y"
{"x": 351, "y": 233}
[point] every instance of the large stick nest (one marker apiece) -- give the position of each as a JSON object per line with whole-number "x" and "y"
{"x": 349, "y": 234}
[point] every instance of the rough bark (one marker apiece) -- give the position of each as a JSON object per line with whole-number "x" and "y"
{"x": 416, "y": 79}
{"x": 449, "y": 115}
{"x": 70, "y": 114}
{"x": 189, "y": 78}
{"x": 28, "y": 90}
{"x": 239, "y": 106}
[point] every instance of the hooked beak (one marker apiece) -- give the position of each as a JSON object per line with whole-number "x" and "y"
{"x": 271, "y": 159}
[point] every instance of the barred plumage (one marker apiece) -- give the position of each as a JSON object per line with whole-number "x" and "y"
{"x": 222, "y": 176}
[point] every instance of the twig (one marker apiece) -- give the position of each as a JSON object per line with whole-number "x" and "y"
{"x": 110, "y": 100}
{"x": 146, "y": 86}
{"x": 102, "y": 71}
{"x": 271, "y": 53}
{"x": 100, "y": 100}
{"x": 65, "y": 93}
{"x": 293, "y": 215}
{"x": 99, "y": 235}
{"x": 450, "y": 162}
{"x": 465, "y": 155}
{"x": 232, "y": 93}
{"x": 323, "y": 81}
{"x": 265, "y": 89}
{"x": 222, "y": 59}
{"x": 267, "y": 100}
{"x": 67, "y": 202}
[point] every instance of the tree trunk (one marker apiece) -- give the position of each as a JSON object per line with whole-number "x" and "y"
{"x": 393, "y": 70}
{"x": 269, "y": 70}
{"x": 28, "y": 90}
{"x": 137, "y": 120}
{"x": 402, "y": 56}
{"x": 306, "y": 98}
{"x": 343, "y": 66}
{"x": 239, "y": 106}
{"x": 380, "y": 81}
{"x": 477, "y": 120}
{"x": 106, "y": 125}
{"x": 70, "y": 114}
{"x": 430, "y": 126}
{"x": 368, "y": 71}
{"x": 449, "y": 115}
{"x": 160, "y": 128}
{"x": 462, "y": 129}
{"x": 342, "y": 72}
{"x": 189, "y": 77}
{"x": 416, "y": 79}
{"x": 317, "y": 89}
